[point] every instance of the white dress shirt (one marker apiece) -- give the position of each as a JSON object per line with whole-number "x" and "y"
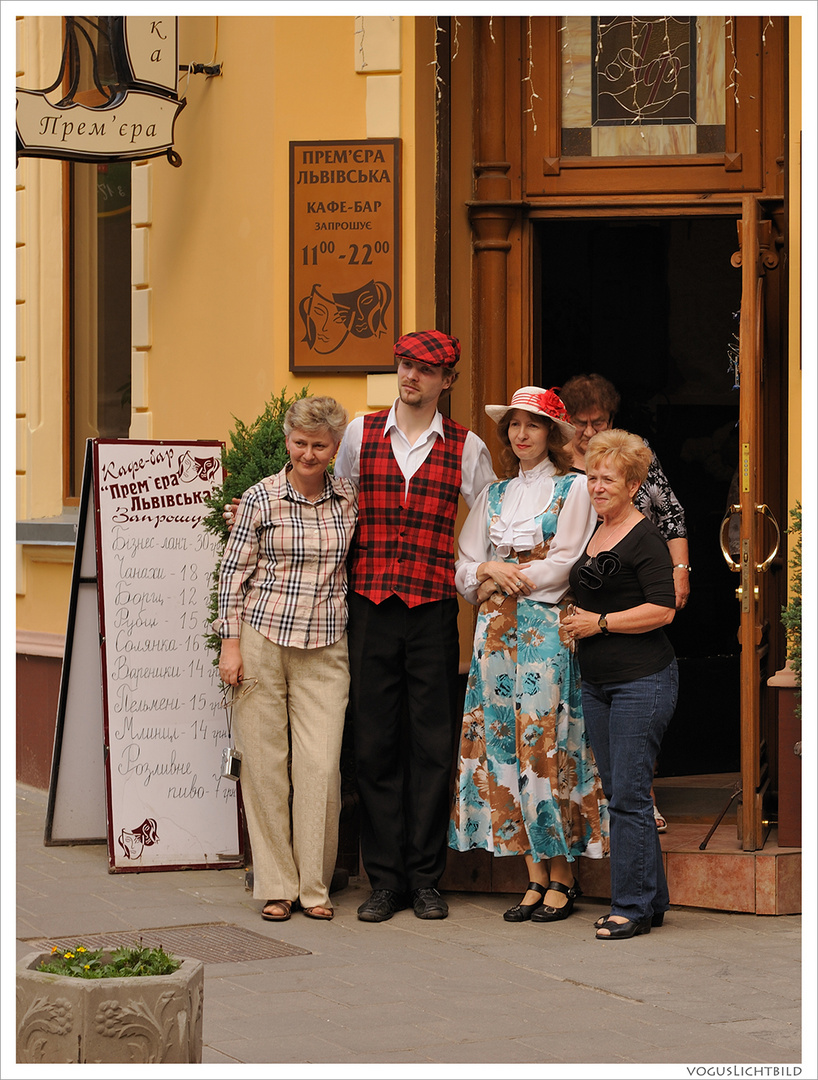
{"x": 476, "y": 470}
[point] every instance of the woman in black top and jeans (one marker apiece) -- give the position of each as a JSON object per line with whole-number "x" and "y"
{"x": 623, "y": 586}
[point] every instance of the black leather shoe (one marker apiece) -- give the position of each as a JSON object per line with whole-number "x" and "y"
{"x": 429, "y": 904}
{"x": 551, "y": 914}
{"x": 524, "y": 912}
{"x": 617, "y": 931}
{"x": 381, "y": 905}
{"x": 656, "y": 919}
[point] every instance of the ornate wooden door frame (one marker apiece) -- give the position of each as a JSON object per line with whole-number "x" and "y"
{"x": 517, "y": 134}
{"x": 501, "y": 215}
{"x": 493, "y": 213}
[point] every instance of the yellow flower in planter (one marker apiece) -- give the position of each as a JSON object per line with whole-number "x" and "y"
{"x": 128, "y": 961}
{"x": 103, "y": 1014}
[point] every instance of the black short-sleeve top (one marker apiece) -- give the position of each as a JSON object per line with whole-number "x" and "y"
{"x": 637, "y": 570}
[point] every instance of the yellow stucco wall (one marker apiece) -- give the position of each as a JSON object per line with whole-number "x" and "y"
{"x": 43, "y": 574}
{"x": 44, "y": 607}
{"x": 214, "y": 240}
{"x": 218, "y": 245}
{"x": 211, "y": 241}
{"x": 38, "y": 194}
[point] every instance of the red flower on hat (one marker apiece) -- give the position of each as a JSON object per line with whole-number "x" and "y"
{"x": 551, "y": 403}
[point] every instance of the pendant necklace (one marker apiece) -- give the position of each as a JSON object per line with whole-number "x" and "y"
{"x": 610, "y": 543}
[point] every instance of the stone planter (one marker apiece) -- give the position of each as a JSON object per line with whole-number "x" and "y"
{"x": 148, "y": 1019}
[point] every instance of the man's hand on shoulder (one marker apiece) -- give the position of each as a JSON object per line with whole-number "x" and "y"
{"x": 229, "y": 514}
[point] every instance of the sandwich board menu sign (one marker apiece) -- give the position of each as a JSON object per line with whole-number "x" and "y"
{"x": 140, "y": 706}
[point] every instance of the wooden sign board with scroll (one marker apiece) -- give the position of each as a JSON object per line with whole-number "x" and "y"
{"x": 154, "y": 685}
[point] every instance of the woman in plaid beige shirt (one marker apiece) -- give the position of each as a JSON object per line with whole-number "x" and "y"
{"x": 282, "y": 618}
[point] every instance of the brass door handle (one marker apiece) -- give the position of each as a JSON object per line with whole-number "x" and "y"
{"x": 765, "y": 511}
{"x": 734, "y": 508}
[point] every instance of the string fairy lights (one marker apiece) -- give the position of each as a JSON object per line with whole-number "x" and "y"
{"x": 569, "y": 60}
{"x": 533, "y": 95}
{"x": 733, "y": 353}
{"x": 735, "y": 73}
{"x": 360, "y": 33}
{"x": 435, "y": 63}
{"x": 669, "y": 52}
{"x": 637, "y": 110}
{"x": 439, "y": 81}
{"x": 644, "y": 69}
{"x": 644, "y": 66}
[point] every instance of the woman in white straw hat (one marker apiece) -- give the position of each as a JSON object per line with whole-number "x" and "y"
{"x": 527, "y": 783}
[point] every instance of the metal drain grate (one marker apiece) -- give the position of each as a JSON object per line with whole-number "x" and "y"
{"x": 214, "y": 943}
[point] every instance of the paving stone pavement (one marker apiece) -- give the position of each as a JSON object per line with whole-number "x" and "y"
{"x": 708, "y": 988}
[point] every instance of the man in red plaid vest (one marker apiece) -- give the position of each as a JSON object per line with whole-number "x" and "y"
{"x": 411, "y": 464}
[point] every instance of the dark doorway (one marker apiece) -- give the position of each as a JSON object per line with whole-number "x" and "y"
{"x": 651, "y": 304}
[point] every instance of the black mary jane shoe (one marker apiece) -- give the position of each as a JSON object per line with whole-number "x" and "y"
{"x": 618, "y": 931}
{"x": 552, "y": 914}
{"x": 523, "y": 912}
{"x": 656, "y": 919}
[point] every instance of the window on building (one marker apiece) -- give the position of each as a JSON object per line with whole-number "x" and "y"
{"x": 98, "y": 400}
{"x": 100, "y": 308}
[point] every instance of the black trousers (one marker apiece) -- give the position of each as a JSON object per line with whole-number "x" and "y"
{"x": 403, "y": 701}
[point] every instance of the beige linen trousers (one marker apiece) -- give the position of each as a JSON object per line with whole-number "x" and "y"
{"x": 289, "y": 732}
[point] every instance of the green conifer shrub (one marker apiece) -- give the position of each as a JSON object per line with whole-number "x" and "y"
{"x": 791, "y": 614}
{"x": 256, "y": 450}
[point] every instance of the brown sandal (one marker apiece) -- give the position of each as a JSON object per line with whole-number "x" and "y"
{"x": 283, "y": 913}
{"x": 318, "y": 912}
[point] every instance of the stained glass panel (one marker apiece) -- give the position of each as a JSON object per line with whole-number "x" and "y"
{"x": 642, "y": 87}
{"x": 644, "y": 70}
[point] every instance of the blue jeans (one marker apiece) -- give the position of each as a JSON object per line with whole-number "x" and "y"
{"x": 625, "y": 723}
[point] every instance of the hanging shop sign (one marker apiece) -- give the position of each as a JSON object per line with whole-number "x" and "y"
{"x": 344, "y": 255}
{"x": 114, "y": 98}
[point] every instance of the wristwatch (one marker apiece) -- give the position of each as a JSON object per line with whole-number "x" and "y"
{"x": 603, "y": 625}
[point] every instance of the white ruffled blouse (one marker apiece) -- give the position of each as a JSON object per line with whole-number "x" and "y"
{"x": 516, "y": 529}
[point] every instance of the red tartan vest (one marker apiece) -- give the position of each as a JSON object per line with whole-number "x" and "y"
{"x": 405, "y": 545}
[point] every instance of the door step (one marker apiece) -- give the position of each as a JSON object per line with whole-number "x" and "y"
{"x": 723, "y": 877}
{"x": 696, "y": 799}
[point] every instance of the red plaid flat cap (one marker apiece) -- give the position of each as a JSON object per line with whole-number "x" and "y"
{"x": 428, "y": 347}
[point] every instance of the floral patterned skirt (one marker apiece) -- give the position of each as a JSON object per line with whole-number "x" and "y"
{"x": 527, "y": 783}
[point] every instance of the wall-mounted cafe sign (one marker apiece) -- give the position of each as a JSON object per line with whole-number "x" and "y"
{"x": 114, "y": 98}
{"x": 344, "y": 255}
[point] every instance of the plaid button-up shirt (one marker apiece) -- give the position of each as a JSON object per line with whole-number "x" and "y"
{"x": 284, "y": 568}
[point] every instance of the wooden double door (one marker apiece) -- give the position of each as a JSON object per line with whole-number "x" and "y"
{"x": 685, "y": 321}
{"x": 665, "y": 271}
